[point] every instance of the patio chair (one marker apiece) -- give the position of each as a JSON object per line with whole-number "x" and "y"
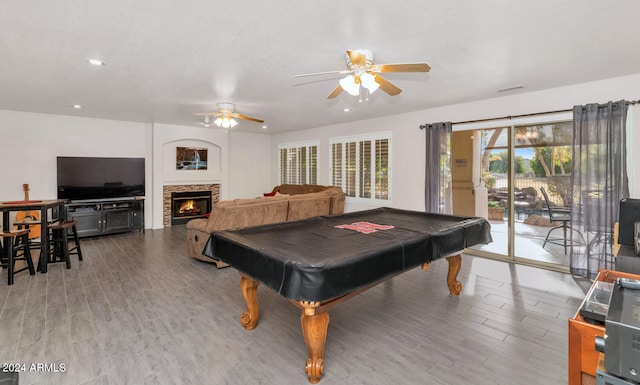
{"x": 598, "y": 227}
{"x": 562, "y": 215}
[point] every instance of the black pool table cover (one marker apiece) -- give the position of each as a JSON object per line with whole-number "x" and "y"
{"x": 313, "y": 260}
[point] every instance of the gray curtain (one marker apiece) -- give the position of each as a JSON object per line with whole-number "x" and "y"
{"x": 599, "y": 181}
{"x": 437, "y": 187}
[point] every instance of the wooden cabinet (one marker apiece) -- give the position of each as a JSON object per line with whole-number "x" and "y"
{"x": 106, "y": 216}
{"x": 583, "y": 357}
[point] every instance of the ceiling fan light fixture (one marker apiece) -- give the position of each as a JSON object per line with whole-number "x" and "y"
{"x": 368, "y": 81}
{"x": 363, "y": 72}
{"x": 349, "y": 84}
{"x": 225, "y": 122}
{"x": 224, "y": 117}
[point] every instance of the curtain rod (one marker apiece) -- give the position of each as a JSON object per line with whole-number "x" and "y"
{"x": 423, "y": 126}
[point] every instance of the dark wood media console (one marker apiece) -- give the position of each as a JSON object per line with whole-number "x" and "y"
{"x": 106, "y": 216}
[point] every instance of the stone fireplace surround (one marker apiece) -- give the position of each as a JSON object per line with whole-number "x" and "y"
{"x": 168, "y": 189}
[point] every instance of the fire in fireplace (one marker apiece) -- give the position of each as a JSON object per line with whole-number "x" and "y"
{"x": 189, "y": 205}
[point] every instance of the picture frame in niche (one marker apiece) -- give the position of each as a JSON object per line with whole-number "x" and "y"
{"x": 191, "y": 158}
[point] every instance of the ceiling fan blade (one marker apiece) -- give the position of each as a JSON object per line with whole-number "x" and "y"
{"x": 207, "y": 113}
{"x": 403, "y": 67}
{"x": 245, "y": 117}
{"x": 357, "y": 58}
{"x": 387, "y": 86}
{"x": 323, "y": 73}
{"x": 335, "y": 92}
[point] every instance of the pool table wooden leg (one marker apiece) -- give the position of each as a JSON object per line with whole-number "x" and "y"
{"x": 455, "y": 264}
{"x": 249, "y": 317}
{"x": 314, "y": 331}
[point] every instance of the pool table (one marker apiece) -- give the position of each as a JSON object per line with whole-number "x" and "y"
{"x": 320, "y": 262}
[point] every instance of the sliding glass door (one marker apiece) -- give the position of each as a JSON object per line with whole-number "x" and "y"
{"x": 520, "y": 163}
{"x": 495, "y": 164}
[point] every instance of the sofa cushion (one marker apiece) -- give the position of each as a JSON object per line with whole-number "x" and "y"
{"x": 253, "y": 201}
{"x": 248, "y": 212}
{"x": 224, "y": 204}
{"x": 292, "y": 189}
{"x": 304, "y": 206}
{"x": 336, "y": 193}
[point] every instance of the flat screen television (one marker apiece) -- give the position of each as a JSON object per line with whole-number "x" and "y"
{"x": 82, "y": 178}
{"x": 629, "y": 215}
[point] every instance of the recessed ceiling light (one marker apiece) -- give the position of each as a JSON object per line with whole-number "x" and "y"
{"x": 346, "y": 110}
{"x": 95, "y": 62}
{"x": 76, "y": 106}
{"x": 264, "y": 127}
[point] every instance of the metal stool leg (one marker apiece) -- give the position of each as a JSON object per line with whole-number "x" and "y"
{"x": 10, "y": 262}
{"x": 26, "y": 254}
{"x": 64, "y": 247}
{"x": 76, "y": 249}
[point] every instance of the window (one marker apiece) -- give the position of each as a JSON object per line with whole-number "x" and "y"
{"x": 361, "y": 166}
{"x": 298, "y": 163}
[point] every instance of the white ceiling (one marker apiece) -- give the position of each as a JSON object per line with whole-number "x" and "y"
{"x": 166, "y": 59}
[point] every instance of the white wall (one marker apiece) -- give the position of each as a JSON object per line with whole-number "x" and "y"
{"x": 30, "y": 143}
{"x": 249, "y": 164}
{"x": 408, "y": 150}
{"x": 166, "y": 138}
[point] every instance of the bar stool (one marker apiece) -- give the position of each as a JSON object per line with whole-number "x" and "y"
{"x": 59, "y": 235}
{"x": 34, "y": 241}
{"x": 18, "y": 241}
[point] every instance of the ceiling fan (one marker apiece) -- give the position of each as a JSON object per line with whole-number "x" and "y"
{"x": 363, "y": 72}
{"x": 225, "y": 116}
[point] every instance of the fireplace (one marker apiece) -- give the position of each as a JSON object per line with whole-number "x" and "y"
{"x": 187, "y": 205}
{"x": 212, "y": 190}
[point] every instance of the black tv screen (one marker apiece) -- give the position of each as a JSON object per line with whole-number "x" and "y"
{"x": 81, "y": 178}
{"x": 629, "y": 215}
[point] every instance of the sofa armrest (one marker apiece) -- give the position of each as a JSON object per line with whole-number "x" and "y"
{"x": 337, "y": 199}
{"x": 199, "y": 224}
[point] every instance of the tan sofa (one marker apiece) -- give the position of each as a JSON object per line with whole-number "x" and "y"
{"x": 240, "y": 213}
{"x": 336, "y": 194}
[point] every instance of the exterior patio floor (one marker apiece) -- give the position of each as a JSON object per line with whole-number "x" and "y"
{"x": 528, "y": 243}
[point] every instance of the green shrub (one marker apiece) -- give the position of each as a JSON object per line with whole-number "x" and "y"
{"x": 489, "y": 181}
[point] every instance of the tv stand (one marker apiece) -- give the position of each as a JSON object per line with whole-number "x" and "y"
{"x": 106, "y": 216}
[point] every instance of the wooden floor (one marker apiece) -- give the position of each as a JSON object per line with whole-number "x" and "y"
{"x": 137, "y": 310}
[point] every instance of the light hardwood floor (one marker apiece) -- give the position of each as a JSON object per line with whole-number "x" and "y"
{"x": 138, "y": 310}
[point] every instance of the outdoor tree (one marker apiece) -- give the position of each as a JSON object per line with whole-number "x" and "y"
{"x": 559, "y": 157}
{"x": 554, "y": 163}
{"x": 499, "y": 163}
